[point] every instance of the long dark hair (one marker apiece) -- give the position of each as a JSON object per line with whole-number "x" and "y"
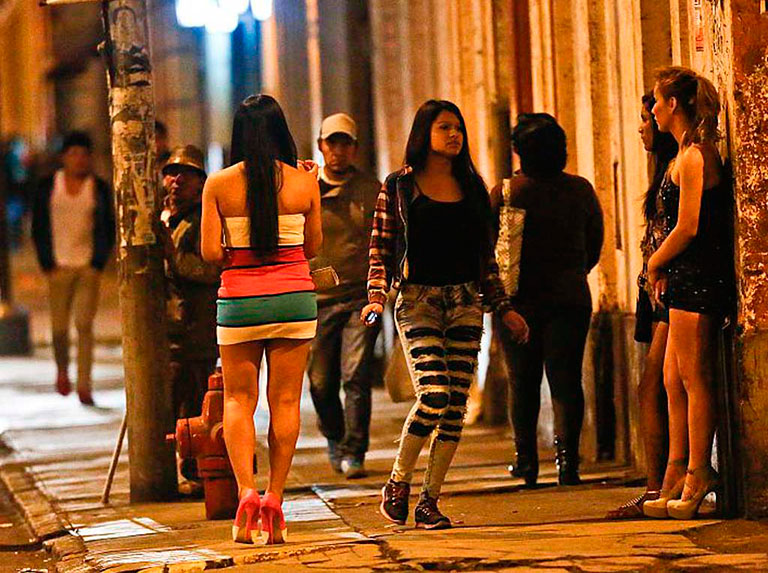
{"x": 664, "y": 149}
{"x": 418, "y": 148}
{"x": 260, "y": 137}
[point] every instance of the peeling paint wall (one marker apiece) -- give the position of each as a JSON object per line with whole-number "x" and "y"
{"x": 748, "y": 124}
{"x": 750, "y": 160}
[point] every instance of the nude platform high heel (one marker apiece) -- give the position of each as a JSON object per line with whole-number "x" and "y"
{"x": 688, "y": 508}
{"x": 658, "y": 507}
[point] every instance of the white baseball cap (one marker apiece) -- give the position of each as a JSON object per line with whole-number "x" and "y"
{"x": 338, "y": 123}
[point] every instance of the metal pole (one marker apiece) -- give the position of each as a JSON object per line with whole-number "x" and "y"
{"x": 115, "y": 459}
{"x": 140, "y": 255}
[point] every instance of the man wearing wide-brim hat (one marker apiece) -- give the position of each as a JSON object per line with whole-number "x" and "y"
{"x": 192, "y": 287}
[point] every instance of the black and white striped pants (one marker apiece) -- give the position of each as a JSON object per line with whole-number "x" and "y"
{"x": 440, "y": 330}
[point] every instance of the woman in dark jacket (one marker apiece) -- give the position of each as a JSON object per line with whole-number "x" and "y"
{"x": 432, "y": 239}
{"x": 562, "y": 238}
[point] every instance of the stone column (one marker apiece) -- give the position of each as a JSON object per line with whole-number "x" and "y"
{"x": 176, "y": 59}
{"x": 747, "y": 108}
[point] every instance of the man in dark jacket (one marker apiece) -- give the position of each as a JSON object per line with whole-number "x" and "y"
{"x": 73, "y": 227}
{"x": 192, "y": 283}
{"x": 342, "y": 352}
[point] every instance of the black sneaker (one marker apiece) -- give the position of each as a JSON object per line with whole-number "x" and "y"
{"x": 394, "y": 501}
{"x": 428, "y": 516}
{"x": 334, "y": 455}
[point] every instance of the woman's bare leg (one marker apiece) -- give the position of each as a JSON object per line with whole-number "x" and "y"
{"x": 286, "y": 361}
{"x": 653, "y": 409}
{"x": 694, "y": 336}
{"x": 677, "y": 403}
{"x": 240, "y": 366}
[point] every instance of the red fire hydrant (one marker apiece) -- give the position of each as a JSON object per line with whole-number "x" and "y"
{"x": 203, "y": 438}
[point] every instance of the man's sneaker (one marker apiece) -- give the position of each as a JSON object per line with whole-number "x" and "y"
{"x": 353, "y": 468}
{"x": 428, "y": 516}
{"x": 334, "y": 455}
{"x": 394, "y": 501}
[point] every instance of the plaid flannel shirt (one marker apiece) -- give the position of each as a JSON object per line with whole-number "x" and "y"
{"x": 387, "y": 254}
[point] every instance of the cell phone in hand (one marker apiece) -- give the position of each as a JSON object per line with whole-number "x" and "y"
{"x": 371, "y": 318}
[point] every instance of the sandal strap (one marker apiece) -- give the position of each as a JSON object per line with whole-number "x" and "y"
{"x": 679, "y": 462}
{"x": 708, "y": 472}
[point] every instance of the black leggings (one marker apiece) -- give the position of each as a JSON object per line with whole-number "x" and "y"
{"x": 556, "y": 344}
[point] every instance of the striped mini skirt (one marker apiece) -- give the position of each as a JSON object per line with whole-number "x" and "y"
{"x": 263, "y": 298}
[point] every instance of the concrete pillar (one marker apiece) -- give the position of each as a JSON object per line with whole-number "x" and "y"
{"x": 747, "y": 103}
{"x": 345, "y": 51}
{"x": 293, "y": 62}
{"x": 25, "y": 58}
{"x": 391, "y": 93}
{"x": 176, "y": 59}
{"x": 656, "y": 38}
{"x": 542, "y": 74}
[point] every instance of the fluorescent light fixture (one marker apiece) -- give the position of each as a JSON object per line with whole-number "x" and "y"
{"x": 217, "y": 16}
{"x": 238, "y": 6}
{"x": 192, "y": 13}
{"x": 221, "y": 21}
{"x": 261, "y": 9}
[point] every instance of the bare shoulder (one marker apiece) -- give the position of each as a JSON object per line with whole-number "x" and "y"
{"x": 297, "y": 176}
{"x": 225, "y": 177}
{"x": 692, "y": 158}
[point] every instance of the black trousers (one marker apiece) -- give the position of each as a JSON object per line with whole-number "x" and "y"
{"x": 341, "y": 358}
{"x": 556, "y": 345}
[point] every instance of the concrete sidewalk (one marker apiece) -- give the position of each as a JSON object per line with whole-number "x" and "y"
{"x": 60, "y": 454}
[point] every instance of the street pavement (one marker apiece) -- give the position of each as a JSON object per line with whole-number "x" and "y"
{"x": 57, "y": 453}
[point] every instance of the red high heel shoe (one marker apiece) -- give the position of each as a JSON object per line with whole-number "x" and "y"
{"x": 246, "y": 528}
{"x": 63, "y": 385}
{"x": 272, "y": 520}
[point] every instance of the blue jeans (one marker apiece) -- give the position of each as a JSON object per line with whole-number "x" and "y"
{"x": 342, "y": 354}
{"x": 440, "y": 329}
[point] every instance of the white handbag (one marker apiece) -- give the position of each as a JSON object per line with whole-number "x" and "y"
{"x": 510, "y": 240}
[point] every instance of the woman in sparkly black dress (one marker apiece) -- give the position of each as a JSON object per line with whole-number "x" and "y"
{"x": 691, "y": 273}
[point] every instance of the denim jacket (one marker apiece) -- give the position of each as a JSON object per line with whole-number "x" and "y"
{"x": 388, "y": 251}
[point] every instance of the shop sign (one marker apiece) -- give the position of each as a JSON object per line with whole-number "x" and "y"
{"x": 698, "y": 23}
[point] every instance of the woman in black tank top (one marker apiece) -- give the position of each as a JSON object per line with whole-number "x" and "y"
{"x": 432, "y": 236}
{"x": 691, "y": 274}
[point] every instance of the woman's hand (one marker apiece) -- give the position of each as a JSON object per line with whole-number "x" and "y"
{"x": 657, "y": 278}
{"x": 516, "y": 325}
{"x": 660, "y": 291}
{"x": 369, "y": 308}
{"x": 308, "y": 165}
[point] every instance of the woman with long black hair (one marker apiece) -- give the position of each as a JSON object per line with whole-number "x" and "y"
{"x": 261, "y": 219}
{"x": 651, "y": 319}
{"x": 431, "y": 239}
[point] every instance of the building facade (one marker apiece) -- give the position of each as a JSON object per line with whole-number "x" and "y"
{"x": 588, "y": 62}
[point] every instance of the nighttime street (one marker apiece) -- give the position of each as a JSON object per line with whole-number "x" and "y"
{"x": 383, "y": 285}
{"x": 334, "y": 523}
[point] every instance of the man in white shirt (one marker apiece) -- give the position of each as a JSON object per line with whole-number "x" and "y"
{"x": 73, "y": 228}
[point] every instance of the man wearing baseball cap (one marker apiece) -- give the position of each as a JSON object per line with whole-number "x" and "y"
{"x": 342, "y": 352}
{"x": 192, "y": 287}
